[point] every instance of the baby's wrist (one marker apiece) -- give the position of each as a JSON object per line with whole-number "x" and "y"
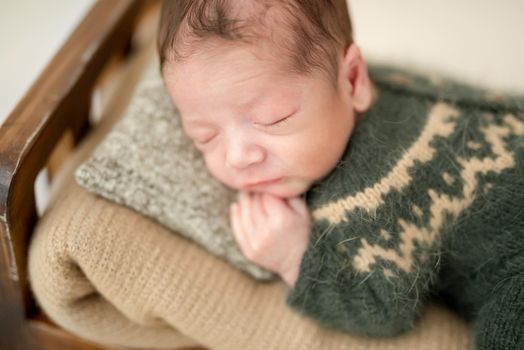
{"x": 289, "y": 277}
{"x": 290, "y": 273}
{"x": 290, "y": 269}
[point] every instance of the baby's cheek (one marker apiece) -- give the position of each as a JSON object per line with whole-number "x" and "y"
{"x": 217, "y": 168}
{"x": 310, "y": 153}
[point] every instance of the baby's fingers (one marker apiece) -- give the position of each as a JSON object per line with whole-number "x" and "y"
{"x": 246, "y": 212}
{"x": 238, "y": 228}
{"x": 299, "y": 205}
{"x": 259, "y": 211}
{"x": 276, "y": 208}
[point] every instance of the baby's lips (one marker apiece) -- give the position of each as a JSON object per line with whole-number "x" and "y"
{"x": 262, "y": 183}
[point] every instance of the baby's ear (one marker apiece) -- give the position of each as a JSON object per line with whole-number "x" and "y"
{"x": 354, "y": 73}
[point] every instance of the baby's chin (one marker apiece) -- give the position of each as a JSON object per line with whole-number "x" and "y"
{"x": 286, "y": 189}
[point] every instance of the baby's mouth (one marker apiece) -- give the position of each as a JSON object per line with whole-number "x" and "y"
{"x": 261, "y": 183}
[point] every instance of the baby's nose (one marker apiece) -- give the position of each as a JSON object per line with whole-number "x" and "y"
{"x": 241, "y": 155}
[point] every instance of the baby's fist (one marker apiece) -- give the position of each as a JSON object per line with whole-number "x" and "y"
{"x": 272, "y": 232}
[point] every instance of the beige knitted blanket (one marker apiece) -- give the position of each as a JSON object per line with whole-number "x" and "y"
{"x": 113, "y": 276}
{"x": 110, "y": 275}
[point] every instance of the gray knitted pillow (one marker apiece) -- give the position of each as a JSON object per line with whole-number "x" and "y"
{"x": 147, "y": 163}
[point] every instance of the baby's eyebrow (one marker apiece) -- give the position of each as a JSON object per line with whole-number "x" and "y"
{"x": 196, "y": 122}
{"x": 270, "y": 102}
{"x": 248, "y": 106}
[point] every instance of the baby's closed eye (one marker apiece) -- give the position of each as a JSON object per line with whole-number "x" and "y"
{"x": 205, "y": 140}
{"x": 278, "y": 122}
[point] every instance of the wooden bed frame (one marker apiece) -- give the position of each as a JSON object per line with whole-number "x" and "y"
{"x": 28, "y": 143}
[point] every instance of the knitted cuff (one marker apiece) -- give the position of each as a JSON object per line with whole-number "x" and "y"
{"x": 500, "y": 322}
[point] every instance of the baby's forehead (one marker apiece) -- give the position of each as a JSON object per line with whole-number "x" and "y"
{"x": 205, "y": 86}
{"x": 229, "y": 66}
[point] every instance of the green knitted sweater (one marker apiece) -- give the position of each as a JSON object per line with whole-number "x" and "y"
{"x": 427, "y": 200}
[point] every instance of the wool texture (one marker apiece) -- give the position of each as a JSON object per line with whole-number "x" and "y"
{"x": 427, "y": 201}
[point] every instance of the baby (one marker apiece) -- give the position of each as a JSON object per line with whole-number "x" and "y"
{"x": 271, "y": 100}
{"x": 270, "y": 92}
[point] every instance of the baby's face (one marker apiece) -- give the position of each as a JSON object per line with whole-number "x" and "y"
{"x": 259, "y": 130}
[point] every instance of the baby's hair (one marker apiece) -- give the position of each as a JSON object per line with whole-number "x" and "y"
{"x": 309, "y": 33}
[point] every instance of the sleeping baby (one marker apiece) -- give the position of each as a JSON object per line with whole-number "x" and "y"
{"x": 368, "y": 198}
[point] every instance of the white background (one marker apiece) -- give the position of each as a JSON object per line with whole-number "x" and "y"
{"x": 31, "y": 31}
{"x": 478, "y": 41}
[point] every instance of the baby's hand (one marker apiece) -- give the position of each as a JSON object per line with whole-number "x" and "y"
{"x": 272, "y": 232}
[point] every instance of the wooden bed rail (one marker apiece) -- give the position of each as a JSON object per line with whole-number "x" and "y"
{"x": 58, "y": 102}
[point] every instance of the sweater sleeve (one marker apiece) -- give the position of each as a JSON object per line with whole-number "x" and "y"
{"x": 373, "y": 252}
{"x": 358, "y": 281}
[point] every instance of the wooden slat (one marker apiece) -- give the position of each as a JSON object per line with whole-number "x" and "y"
{"x": 55, "y": 337}
{"x": 58, "y": 101}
